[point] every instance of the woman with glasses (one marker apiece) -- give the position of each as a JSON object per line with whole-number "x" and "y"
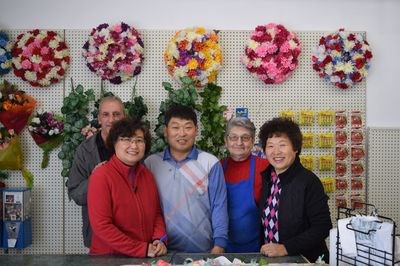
{"x": 243, "y": 182}
{"x": 123, "y": 201}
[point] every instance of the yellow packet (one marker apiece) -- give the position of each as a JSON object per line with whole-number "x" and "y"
{"x": 306, "y": 118}
{"x": 326, "y": 140}
{"x": 325, "y": 163}
{"x": 326, "y": 117}
{"x": 307, "y": 161}
{"x": 308, "y": 140}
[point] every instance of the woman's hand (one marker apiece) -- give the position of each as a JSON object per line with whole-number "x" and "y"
{"x": 151, "y": 250}
{"x": 160, "y": 248}
{"x": 273, "y": 250}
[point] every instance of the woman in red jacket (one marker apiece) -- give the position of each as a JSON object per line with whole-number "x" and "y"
{"x": 123, "y": 202}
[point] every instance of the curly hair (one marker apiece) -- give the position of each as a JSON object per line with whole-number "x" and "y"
{"x": 127, "y": 127}
{"x": 279, "y": 126}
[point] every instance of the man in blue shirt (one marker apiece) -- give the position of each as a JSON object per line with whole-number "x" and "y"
{"x": 191, "y": 186}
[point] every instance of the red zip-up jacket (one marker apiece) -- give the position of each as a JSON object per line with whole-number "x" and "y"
{"x": 125, "y": 215}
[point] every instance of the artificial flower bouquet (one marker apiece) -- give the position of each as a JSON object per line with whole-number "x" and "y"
{"x": 342, "y": 58}
{"x": 272, "y": 53}
{"x": 46, "y": 130}
{"x": 40, "y": 57}
{"x": 89, "y": 131}
{"x": 11, "y": 153}
{"x": 3, "y": 176}
{"x": 115, "y": 53}
{"x": 10, "y": 149}
{"x": 194, "y": 53}
{"x": 15, "y": 107}
{"x": 5, "y": 53}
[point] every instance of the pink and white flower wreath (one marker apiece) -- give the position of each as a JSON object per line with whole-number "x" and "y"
{"x": 40, "y": 57}
{"x": 272, "y": 53}
{"x": 115, "y": 53}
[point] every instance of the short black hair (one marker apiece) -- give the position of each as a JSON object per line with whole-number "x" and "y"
{"x": 180, "y": 111}
{"x": 126, "y": 127}
{"x": 281, "y": 126}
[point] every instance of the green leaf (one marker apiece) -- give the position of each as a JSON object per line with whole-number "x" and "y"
{"x": 79, "y": 89}
{"x": 65, "y": 172}
{"x": 61, "y": 155}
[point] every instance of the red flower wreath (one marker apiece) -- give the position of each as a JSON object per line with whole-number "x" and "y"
{"x": 40, "y": 57}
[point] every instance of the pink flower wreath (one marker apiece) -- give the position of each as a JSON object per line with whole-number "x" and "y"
{"x": 272, "y": 53}
{"x": 40, "y": 57}
{"x": 115, "y": 53}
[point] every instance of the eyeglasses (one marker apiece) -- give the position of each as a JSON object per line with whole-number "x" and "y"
{"x": 128, "y": 141}
{"x": 244, "y": 138}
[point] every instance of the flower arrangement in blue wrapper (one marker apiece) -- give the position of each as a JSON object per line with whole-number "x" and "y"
{"x": 5, "y": 54}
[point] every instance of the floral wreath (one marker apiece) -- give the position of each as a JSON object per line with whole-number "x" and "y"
{"x": 342, "y": 58}
{"x": 40, "y": 57}
{"x": 194, "y": 53}
{"x": 115, "y": 53}
{"x": 5, "y": 54}
{"x": 272, "y": 53}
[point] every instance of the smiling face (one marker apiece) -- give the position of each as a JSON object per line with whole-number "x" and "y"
{"x": 130, "y": 150}
{"x": 109, "y": 112}
{"x": 280, "y": 153}
{"x": 239, "y": 143}
{"x": 180, "y": 135}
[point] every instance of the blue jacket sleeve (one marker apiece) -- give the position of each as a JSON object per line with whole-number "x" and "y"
{"x": 218, "y": 203}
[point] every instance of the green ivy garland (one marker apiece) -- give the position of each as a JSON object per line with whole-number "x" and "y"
{"x": 75, "y": 110}
{"x": 213, "y": 121}
{"x": 187, "y": 95}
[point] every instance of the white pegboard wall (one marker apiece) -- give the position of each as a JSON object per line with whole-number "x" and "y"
{"x": 57, "y": 221}
{"x": 47, "y": 192}
{"x": 384, "y": 171}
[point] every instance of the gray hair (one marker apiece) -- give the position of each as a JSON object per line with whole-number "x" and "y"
{"x": 112, "y": 98}
{"x": 241, "y": 122}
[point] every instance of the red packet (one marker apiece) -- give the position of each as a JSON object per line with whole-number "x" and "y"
{"x": 356, "y": 201}
{"x": 357, "y": 137}
{"x": 342, "y": 152}
{"x": 341, "y": 136}
{"x": 341, "y": 201}
{"x": 341, "y": 183}
{"x": 357, "y": 169}
{"x": 356, "y": 183}
{"x": 340, "y": 119}
{"x": 356, "y": 120}
{"x": 357, "y": 153}
{"x": 341, "y": 168}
